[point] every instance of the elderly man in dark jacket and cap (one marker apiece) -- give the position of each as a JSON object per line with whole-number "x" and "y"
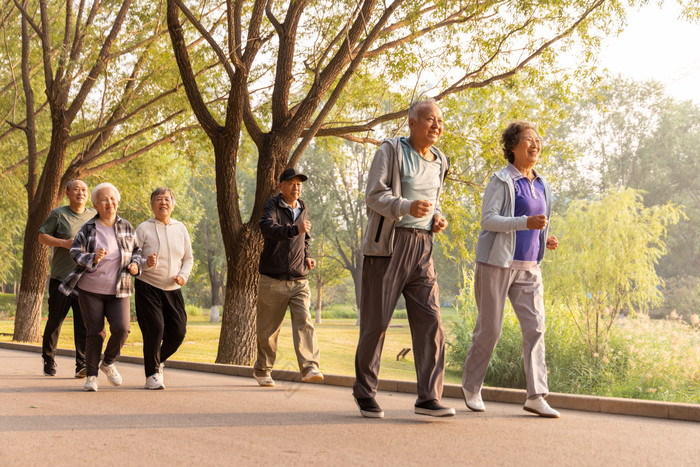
{"x": 284, "y": 263}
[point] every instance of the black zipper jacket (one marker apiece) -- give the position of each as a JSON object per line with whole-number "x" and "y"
{"x": 285, "y": 250}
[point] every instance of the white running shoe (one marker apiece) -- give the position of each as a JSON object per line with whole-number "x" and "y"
{"x": 473, "y": 401}
{"x": 540, "y": 407}
{"x": 90, "y": 384}
{"x": 154, "y": 382}
{"x": 111, "y": 371}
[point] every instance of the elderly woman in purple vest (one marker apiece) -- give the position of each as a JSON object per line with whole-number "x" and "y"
{"x": 514, "y": 221}
{"x": 107, "y": 253}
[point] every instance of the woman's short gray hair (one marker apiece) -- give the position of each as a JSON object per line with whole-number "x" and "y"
{"x": 103, "y": 186}
{"x": 511, "y": 137}
{"x": 161, "y": 190}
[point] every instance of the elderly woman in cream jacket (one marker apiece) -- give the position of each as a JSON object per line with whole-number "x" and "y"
{"x": 166, "y": 265}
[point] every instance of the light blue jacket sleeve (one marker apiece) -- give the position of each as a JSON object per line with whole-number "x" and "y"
{"x": 497, "y": 210}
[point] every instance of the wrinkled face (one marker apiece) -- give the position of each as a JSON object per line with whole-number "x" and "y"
{"x": 163, "y": 206}
{"x": 77, "y": 193}
{"x": 426, "y": 128}
{"x": 290, "y": 189}
{"x": 527, "y": 151}
{"x": 107, "y": 203}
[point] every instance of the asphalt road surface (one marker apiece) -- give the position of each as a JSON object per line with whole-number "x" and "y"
{"x": 212, "y": 419}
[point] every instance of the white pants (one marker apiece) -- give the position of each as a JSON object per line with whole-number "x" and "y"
{"x": 524, "y": 290}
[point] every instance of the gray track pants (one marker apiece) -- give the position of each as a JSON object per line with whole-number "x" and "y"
{"x": 524, "y": 290}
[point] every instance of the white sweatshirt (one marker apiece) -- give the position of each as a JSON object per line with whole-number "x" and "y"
{"x": 172, "y": 244}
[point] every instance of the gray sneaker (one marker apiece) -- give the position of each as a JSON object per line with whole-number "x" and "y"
{"x": 265, "y": 381}
{"x": 112, "y": 374}
{"x": 312, "y": 376}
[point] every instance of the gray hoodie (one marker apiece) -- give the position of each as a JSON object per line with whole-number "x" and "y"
{"x": 496, "y": 242}
{"x": 385, "y": 206}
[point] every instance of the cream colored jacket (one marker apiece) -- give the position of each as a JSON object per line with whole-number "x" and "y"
{"x": 172, "y": 244}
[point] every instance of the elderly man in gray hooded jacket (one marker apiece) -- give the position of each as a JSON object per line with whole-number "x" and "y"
{"x": 403, "y": 210}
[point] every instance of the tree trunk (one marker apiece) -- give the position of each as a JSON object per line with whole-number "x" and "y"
{"x": 319, "y": 298}
{"x": 237, "y": 342}
{"x": 356, "y": 274}
{"x": 35, "y": 266}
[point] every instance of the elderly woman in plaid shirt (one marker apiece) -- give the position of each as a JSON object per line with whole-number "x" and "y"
{"x": 107, "y": 253}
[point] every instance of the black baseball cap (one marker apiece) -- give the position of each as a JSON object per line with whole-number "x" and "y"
{"x": 289, "y": 174}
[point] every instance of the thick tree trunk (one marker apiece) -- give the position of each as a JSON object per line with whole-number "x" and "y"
{"x": 356, "y": 274}
{"x": 35, "y": 266}
{"x": 319, "y": 298}
{"x": 237, "y": 342}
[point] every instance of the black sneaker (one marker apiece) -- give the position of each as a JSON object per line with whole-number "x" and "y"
{"x": 369, "y": 407}
{"x": 434, "y": 409}
{"x": 80, "y": 371}
{"x": 49, "y": 368}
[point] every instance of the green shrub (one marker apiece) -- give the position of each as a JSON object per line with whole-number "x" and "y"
{"x": 642, "y": 358}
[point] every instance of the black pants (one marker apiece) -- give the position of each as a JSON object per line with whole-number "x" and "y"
{"x": 97, "y": 307}
{"x": 163, "y": 322}
{"x": 59, "y": 304}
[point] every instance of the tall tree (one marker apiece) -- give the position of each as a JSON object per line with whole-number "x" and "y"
{"x": 285, "y": 79}
{"x": 105, "y": 94}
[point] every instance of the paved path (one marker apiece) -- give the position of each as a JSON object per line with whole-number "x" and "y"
{"x": 214, "y": 419}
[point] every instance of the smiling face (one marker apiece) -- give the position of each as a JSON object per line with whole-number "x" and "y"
{"x": 291, "y": 190}
{"x": 162, "y": 207}
{"x": 77, "y": 193}
{"x": 426, "y": 127}
{"x": 106, "y": 203}
{"x": 527, "y": 151}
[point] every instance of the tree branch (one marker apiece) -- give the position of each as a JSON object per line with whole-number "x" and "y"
{"x": 212, "y": 42}
{"x": 99, "y": 64}
{"x": 209, "y": 124}
{"x": 165, "y": 139}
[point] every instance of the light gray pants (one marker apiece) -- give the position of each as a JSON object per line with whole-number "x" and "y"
{"x": 274, "y": 296}
{"x": 524, "y": 290}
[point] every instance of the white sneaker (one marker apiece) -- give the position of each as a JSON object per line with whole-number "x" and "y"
{"x": 312, "y": 376}
{"x": 265, "y": 381}
{"x": 154, "y": 382}
{"x": 473, "y": 401}
{"x": 540, "y": 407}
{"x": 90, "y": 384}
{"x": 111, "y": 371}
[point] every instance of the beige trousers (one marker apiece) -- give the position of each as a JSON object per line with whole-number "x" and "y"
{"x": 274, "y": 296}
{"x": 524, "y": 290}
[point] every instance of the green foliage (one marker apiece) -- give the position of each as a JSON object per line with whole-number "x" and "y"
{"x": 604, "y": 266}
{"x": 682, "y": 300}
{"x": 643, "y": 359}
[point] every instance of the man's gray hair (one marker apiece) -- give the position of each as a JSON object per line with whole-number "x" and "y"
{"x": 103, "y": 186}
{"x": 161, "y": 190}
{"x": 413, "y": 109}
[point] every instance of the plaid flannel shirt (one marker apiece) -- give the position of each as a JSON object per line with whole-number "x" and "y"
{"x": 83, "y": 253}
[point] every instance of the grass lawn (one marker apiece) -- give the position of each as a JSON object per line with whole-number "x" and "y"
{"x": 337, "y": 339}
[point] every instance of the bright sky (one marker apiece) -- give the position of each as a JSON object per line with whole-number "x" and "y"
{"x": 657, "y": 44}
